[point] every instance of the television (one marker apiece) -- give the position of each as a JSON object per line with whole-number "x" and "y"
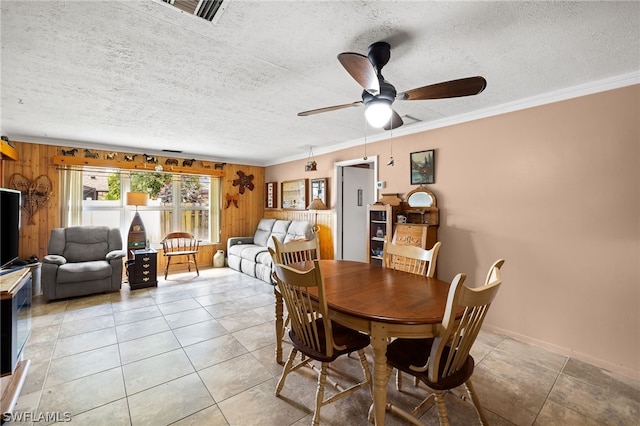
{"x": 10, "y": 213}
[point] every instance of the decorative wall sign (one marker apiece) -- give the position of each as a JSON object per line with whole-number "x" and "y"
{"x": 271, "y": 195}
{"x": 422, "y": 167}
{"x": 35, "y": 194}
{"x": 243, "y": 181}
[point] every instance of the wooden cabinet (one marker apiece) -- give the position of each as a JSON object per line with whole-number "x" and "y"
{"x": 15, "y": 313}
{"x": 144, "y": 269}
{"x": 415, "y": 234}
{"x": 380, "y": 219}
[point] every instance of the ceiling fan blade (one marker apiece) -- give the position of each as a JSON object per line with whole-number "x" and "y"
{"x": 360, "y": 68}
{"x": 394, "y": 122}
{"x": 327, "y": 109}
{"x": 447, "y": 89}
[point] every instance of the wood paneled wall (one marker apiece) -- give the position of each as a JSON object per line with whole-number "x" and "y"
{"x": 324, "y": 220}
{"x": 37, "y": 159}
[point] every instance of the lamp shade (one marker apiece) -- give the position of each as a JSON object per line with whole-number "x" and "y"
{"x": 137, "y": 198}
{"x": 317, "y": 204}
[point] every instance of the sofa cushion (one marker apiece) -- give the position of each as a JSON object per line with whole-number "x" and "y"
{"x": 298, "y": 230}
{"x": 85, "y": 252}
{"x": 251, "y": 252}
{"x": 261, "y": 237}
{"x": 84, "y": 244}
{"x": 265, "y": 259}
{"x": 279, "y": 231}
{"x": 84, "y": 271}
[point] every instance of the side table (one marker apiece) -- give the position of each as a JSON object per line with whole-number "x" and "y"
{"x": 144, "y": 269}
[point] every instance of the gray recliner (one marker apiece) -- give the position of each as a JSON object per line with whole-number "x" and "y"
{"x": 82, "y": 260}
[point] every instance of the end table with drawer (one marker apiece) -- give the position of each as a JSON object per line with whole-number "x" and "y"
{"x": 143, "y": 271}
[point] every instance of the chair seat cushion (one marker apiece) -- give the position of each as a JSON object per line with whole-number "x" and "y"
{"x": 342, "y": 336}
{"x": 84, "y": 271}
{"x": 403, "y": 353}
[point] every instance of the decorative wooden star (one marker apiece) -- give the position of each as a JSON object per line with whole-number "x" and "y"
{"x": 243, "y": 181}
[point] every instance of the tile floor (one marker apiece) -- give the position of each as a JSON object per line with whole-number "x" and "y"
{"x": 200, "y": 351}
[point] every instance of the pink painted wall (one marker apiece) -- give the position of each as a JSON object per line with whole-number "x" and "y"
{"x": 555, "y": 190}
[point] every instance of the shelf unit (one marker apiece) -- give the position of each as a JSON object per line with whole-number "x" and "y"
{"x": 380, "y": 219}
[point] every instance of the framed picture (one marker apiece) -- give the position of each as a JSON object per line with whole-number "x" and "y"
{"x": 294, "y": 194}
{"x": 271, "y": 195}
{"x": 319, "y": 188}
{"x": 422, "y": 167}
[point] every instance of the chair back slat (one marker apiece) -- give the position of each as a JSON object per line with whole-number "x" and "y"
{"x": 457, "y": 335}
{"x": 412, "y": 259}
{"x": 180, "y": 242}
{"x": 296, "y": 251}
{"x": 303, "y": 312}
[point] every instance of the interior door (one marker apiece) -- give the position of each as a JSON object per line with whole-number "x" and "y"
{"x": 356, "y": 188}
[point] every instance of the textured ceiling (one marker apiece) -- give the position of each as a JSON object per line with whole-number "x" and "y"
{"x": 142, "y": 76}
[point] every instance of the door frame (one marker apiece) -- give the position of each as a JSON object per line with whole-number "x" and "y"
{"x": 337, "y": 187}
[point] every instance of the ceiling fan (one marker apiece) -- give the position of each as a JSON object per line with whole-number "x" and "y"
{"x": 378, "y": 94}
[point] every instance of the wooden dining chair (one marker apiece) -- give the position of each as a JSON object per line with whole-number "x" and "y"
{"x": 180, "y": 245}
{"x": 494, "y": 273}
{"x": 315, "y": 336}
{"x": 413, "y": 259}
{"x": 287, "y": 253}
{"x": 444, "y": 363}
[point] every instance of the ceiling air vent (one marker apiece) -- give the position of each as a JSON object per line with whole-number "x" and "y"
{"x": 205, "y": 9}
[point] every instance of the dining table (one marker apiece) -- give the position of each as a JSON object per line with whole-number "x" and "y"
{"x": 382, "y": 302}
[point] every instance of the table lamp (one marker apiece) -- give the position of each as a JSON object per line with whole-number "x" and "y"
{"x": 137, "y": 238}
{"x": 317, "y": 204}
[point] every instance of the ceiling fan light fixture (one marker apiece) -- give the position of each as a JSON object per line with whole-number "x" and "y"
{"x": 378, "y": 112}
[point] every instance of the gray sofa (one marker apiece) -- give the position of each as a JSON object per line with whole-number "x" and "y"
{"x": 82, "y": 260}
{"x": 250, "y": 255}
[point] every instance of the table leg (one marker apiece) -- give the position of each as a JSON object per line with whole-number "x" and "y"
{"x": 279, "y": 325}
{"x": 380, "y": 371}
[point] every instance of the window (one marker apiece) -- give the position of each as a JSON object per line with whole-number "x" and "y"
{"x": 195, "y": 209}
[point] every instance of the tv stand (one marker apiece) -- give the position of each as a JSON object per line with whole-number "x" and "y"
{"x": 15, "y": 299}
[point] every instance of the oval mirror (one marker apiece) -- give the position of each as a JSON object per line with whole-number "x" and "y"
{"x": 420, "y": 199}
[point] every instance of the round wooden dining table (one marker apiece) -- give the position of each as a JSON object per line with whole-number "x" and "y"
{"x": 381, "y": 302}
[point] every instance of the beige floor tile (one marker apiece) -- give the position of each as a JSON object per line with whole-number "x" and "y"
{"x": 231, "y": 377}
{"x": 148, "y": 346}
{"x": 84, "y": 342}
{"x": 134, "y": 330}
{"x": 210, "y": 416}
{"x": 82, "y": 312}
{"x": 240, "y": 321}
{"x": 169, "y": 402}
{"x": 258, "y": 404}
{"x": 84, "y": 394}
{"x": 137, "y": 314}
{"x": 214, "y": 351}
{"x": 256, "y": 337}
{"x": 178, "y": 306}
{"x": 72, "y": 328}
{"x": 554, "y": 414}
{"x": 599, "y": 403}
{"x": 113, "y": 414}
{"x": 75, "y": 366}
{"x": 149, "y": 372}
{"x": 182, "y": 319}
{"x": 199, "y": 332}
{"x": 512, "y": 387}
